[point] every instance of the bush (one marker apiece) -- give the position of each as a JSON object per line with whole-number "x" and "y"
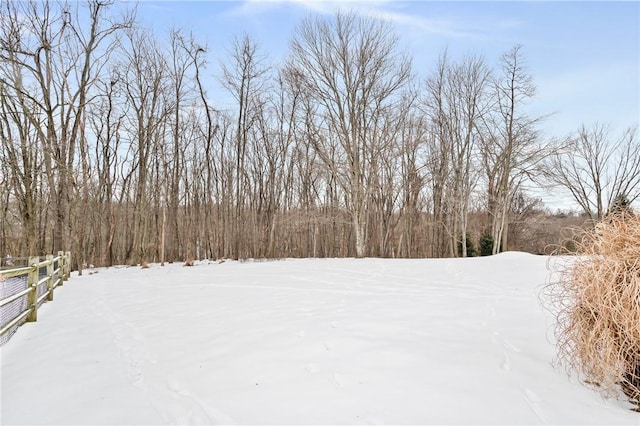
{"x": 471, "y": 249}
{"x": 486, "y": 244}
{"x": 597, "y": 301}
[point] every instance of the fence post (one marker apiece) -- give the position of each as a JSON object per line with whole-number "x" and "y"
{"x": 67, "y": 264}
{"x": 32, "y": 282}
{"x": 50, "y": 275}
{"x": 61, "y": 267}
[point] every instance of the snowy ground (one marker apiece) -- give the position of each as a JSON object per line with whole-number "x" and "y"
{"x": 337, "y": 341}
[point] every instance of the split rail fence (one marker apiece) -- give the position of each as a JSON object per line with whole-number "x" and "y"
{"x": 24, "y": 289}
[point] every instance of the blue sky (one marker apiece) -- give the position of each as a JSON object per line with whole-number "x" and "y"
{"x": 584, "y": 56}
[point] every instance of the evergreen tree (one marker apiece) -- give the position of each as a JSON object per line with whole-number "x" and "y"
{"x": 620, "y": 206}
{"x": 471, "y": 248}
{"x": 486, "y": 244}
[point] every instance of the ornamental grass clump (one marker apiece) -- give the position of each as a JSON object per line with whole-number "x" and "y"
{"x": 597, "y": 301}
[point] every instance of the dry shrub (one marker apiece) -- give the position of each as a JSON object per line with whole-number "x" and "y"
{"x": 597, "y": 301}
{"x": 145, "y": 265}
{"x": 189, "y": 262}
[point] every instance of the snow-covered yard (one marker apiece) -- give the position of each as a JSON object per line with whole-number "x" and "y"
{"x": 310, "y": 341}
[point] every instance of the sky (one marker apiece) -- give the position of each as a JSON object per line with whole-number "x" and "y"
{"x": 584, "y": 56}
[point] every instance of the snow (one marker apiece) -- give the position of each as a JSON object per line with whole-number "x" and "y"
{"x": 306, "y": 341}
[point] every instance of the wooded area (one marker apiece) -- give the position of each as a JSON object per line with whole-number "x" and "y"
{"x": 113, "y": 147}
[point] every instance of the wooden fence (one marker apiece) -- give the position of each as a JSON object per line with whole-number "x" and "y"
{"x": 24, "y": 289}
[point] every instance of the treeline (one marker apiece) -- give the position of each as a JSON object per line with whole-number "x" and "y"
{"x": 114, "y": 147}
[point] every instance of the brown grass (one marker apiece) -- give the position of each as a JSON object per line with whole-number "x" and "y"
{"x": 145, "y": 265}
{"x": 597, "y": 302}
{"x": 189, "y": 262}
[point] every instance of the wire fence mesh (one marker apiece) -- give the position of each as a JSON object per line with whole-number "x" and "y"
{"x": 9, "y": 287}
{"x": 23, "y": 309}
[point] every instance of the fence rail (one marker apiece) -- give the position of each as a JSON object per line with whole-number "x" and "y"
{"x": 24, "y": 289}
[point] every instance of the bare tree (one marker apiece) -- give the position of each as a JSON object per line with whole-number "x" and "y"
{"x": 196, "y": 52}
{"x": 438, "y": 157}
{"x": 510, "y": 146}
{"x": 6, "y": 228}
{"x": 110, "y": 146}
{"x": 456, "y": 103}
{"x": 596, "y": 170}
{"x": 271, "y": 145}
{"x": 106, "y": 117}
{"x": 145, "y": 81}
{"x": 180, "y": 98}
{"x": 22, "y": 162}
{"x": 351, "y": 66}
{"x": 468, "y": 86}
{"x": 245, "y": 80}
{"x": 51, "y": 56}
{"x": 413, "y": 178}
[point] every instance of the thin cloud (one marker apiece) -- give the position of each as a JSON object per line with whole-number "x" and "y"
{"x": 381, "y": 9}
{"x": 249, "y": 8}
{"x": 420, "y": 24}
{"x": 256, "y": 7}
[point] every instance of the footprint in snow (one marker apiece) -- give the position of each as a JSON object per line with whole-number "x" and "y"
{"x": 534, "y": 401}
{"x": 338, "y": 380}
{"x": 506, "y": 363}
{"x": 495, "y": 339}
{"x": 191, "y": 409}
{"x": 511, "y": 346}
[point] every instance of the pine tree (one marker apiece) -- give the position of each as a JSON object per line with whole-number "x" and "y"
{"x": 471, "y": 248}
{"x": 620, "y": 206}
{"x": 486, "y": 244}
